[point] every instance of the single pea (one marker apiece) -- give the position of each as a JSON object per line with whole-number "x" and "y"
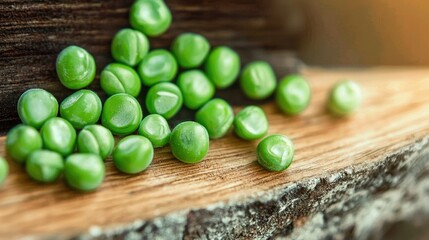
{"x": 217, "y": 117}
{"x": 133, "y": 154}
{"x": 21, "y": 141}
{"x": 81, "y": 108}
{"x": 156, "y": 129}
{"x": 189, "y": 142}
{"x": 258, "y": 80}
{"x": 293, "y": 94}
{"x": 344, "y": 98}
{"x": 4, "y": 170}
{"x": 96, "y": 139}
{"x": 190, "y": 49}
{"x": 152, "y": 17}
{"x": 119, "y": 78}
{"x": 44, "y": 166}
{"x": 129, "y": 46}
{"x": 84, "y": 171}
{"x": 121, "y": 114}
{"x": 59, "y": 136}
{"x": 164, "y": 99}
{"x": 35, "y": 106}
{"x": 157, "y": 66}
{"x": 251, "y": 123}
{"x": 275, "y": 153}
{"x": 222, "y": 66}
{"x": 196, "y": 88}
{"x": 75, "y": 67}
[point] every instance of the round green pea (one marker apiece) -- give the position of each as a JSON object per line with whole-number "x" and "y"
{"x": 190, "y": 49}
{"x": 119, "y": 78}
{"x": 129, "y": 46}
{"x": 189, "y": 142}
{"x": 164, "y": 99}
{"x": 84, "y": 171}
{"x": 133, "y": 154}
{"x": 293, "y": 94}
{"x": 258, "y": 80}
{"x": 81, "y": 108}
{"x": 21, "y": 141}
{"x": 59, "y": 136}
{"x": 344, "y": 98}
{"x": 121, "y": 114}
{"x": 96, "y": 139}
{"x": 4, "y": 170}
{"x": 75, "y": 67}
{"x": 275, "y": 153}
{"x": 35, "y": 106}
{"x": 152, "y": 17}
{"x": 196, "y": 88}
{"x": 251, "y": 123}
{"x": 157, "y": 66}
{"x": 217, "y": 117}
{"x": 156, "y": 129}
{"x": 44, "y": 166}
{"x": 222, "y": 66}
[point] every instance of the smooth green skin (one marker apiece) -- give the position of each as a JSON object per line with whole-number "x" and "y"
{"x": 4, "y": 170}
{"x": 96, "y": 139}
{"x": 156, "y": 129}
{"x": 345, "y": 98}
{"x": 217, "y": 117}
{"x": 120, "y": 78}
{"x": 81, "y": 108}
{"x": 152, "y": 17}
{"x": 222, "y": 66}
{"x": 84, "y": 171}
{"x": 44, "y": 166}
{"x": 164, "y": 99}
{"x": 196, "y": 88}
{"x": 275, "y": 153}
{"x": 189, "y": 142}
{"x": 59, "y": 136}
{"x": 251, "y": 123}
{"x": 157, "y": 66}
{"x": 258, "y": 80}
{"x": 121, "y": 114}
{"x": 21, "y": 141}
{"x": 35, "y": 106}
{"x": 133, "y": 154}
{"x": 190, "y": 49}
{"x": 75, "y": 67}
{"x": 293, "y": 94}
{"x": 129, "y": 46}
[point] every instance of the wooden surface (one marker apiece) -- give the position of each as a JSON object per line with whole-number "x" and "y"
{"x": 394, "y": 115}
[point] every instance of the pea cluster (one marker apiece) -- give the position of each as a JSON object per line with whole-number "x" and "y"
{"x": 75, "y": 144}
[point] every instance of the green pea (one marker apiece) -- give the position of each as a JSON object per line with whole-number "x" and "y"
{"x": 84, "y": 171}
{"x": 258, "y": 80}
{"x": 275, "y": 153}
{"x": 344, "y": 98}
{"x": 95, "y": 139}
{"x": 119, "y": 78}
{"x": 196, "y": 88}
{"x": 217, "y": 117}
{"x": 190, "y": 49}
{"x": 35, "y": 106}
{"x": 157, "y": 66}
{"x": 81, "y": 108}
{"x": 189, "y": 142}
{"x": 129, "y": 46}
{"x": 293, "y": 94}
{"x": 121, "y": 114}
{"x": 59, "y": 136}
{"x": 4, "y": 170}
{"x": 75, "y": 67}
{"x": 164, "y": 99}
{"x": 21, "y": 141}
{"x": 222, "y": 66}
{"x": 133, "y": 154}
{"x": 156, "y": 129}
{"x": 251, "y": 123}
{"x": 152, "y": 17}
{"x": 44, "y": 166}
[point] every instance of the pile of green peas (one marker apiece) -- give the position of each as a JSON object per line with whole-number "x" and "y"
{"x": 74, "y": 138}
